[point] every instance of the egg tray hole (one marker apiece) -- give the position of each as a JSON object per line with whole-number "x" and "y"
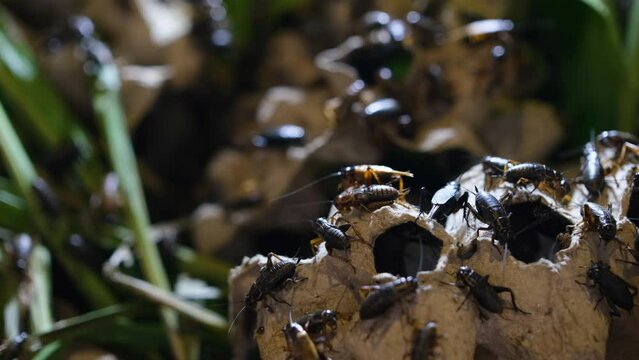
{"x": 397, "y": 250}
{"x": 536, "y": 227}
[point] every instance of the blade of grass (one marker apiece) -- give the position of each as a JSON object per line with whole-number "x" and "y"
{"x": 9, "y": 298}
{"x": 23, "y": 174}
{"x": 601, "y": 8}
{"x": 11, "y": 316}
{"x": 79, "y": 325}
{"x": 115, "y": 330}
{"x": 19, "y": 166}
{"x": 163, "y": 297}
{"x": 43, "y": 112}
{"x": 110, "y": 115}
{"x": 40, "y": 304}
{"x": 13, "y": 209}
{"x": 21, "y": 81}
{"x": 45, "y": 344}
{"x": 47, "y": 352}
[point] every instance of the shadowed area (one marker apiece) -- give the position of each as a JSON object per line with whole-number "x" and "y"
{"x": 397, "y": 250}
{"x": 623, "y": 338}
{"x": 536, "y": 227}
{"x": 633, "y": 206}
{"x": 483, "y": 353}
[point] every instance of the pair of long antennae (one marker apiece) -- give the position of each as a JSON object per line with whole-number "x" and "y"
{"x": 312, "y": 183}
{"x": 235, "y": 318}
{"x": 305, "y": 204}
{"x": 323, "y": 178}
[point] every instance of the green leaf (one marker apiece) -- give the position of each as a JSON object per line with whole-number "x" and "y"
{"x": 632, "y": 55}
{"x": 583, "y": 43}
{"x": 601, "y": 8}
{"x": 40, "y": 305}
{"x": 627, "y": 101}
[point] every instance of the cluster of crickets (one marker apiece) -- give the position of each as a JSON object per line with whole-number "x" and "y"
{"x": 369, "y": 187}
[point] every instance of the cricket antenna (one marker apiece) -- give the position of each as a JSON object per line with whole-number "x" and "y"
{"x": 312, "y": 183}
{"x": 235, "y": 318}
{"x": 295, "y": 205}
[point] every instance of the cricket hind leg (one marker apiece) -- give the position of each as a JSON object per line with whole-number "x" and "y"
{"x": 501, "y": 289}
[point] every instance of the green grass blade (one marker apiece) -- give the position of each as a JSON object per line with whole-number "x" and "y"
{"x": 13, "y": 209}
{"x": 19, "y": 165}
{"x": 21, "y": 81}
{"x": 78, "y": 325}
{"x": 23, "y": 174}
{"x": 42, "y": 111}
{"x": 45, "y": 344}
{"x": 40, "y": 306}
{"x": 109, "y": 112}
{"x": 11, "y": 317}
{"x": 603, "y": 10}
{"x": 48, "y": 352}
{"x": 163, "y": 297}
